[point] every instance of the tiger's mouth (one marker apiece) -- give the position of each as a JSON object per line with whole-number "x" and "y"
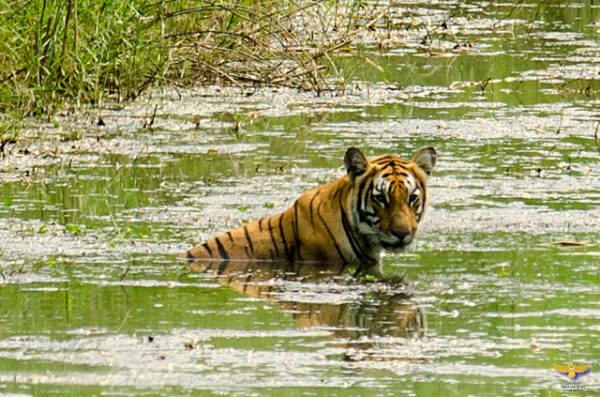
{"x": 398, "y": 243}
{"x": 397, "y": 246}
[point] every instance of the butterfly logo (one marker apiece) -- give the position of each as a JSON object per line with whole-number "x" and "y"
{"x": 573, "y": 372}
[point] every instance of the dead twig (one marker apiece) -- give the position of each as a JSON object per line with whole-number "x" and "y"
{"x": 223, "y": 73}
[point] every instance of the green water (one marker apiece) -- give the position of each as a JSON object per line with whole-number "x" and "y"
{"x": 94, "y": 302}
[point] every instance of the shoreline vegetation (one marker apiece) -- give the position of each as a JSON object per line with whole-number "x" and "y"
{"x": 57, "y": 56}
{"x": 66, "y": 53}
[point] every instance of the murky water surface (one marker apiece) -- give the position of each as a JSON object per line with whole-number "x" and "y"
{"x": 93, "y": 301}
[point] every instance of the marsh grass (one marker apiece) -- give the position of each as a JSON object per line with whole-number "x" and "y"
{"x": 72, "y": 50}
{"x": 64, "y": 53}
{"x": 61, "y": 54}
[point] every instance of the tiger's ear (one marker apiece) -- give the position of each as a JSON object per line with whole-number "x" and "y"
{"x": 355, "y": 162}
{"x": 426, "y": 157}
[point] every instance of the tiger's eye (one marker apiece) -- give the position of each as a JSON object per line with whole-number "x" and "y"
{"x": 412, "y": 197}
{"x": 380, "y": 198}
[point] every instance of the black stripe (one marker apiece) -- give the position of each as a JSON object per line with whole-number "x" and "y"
{"x": 368, "y": 178}
{"x": 337, "y": 193}
{"x": 273, "y": 240}
{"x": 349, "y": 234}
{"x": 230, "y": 236}
{"x": 222, "y": 250}
{"x": 361, "y": 188}
{"x": 399, "y": 167}
{"x": 260, "y": 226}
{"x": 222, "y": 267}
{"x": 362, "y": 213}
{"x": 207, "y": 248}
{"x": 285, "y": 246}
{"x": 332, "y": 193}
{"x": 337, "y": 247}
{"x": 370, "y": 217}
{"x": 247, "y": 282}
{"x": 189, "y": 256}
{"x": 249, "y": 240}
{"x": 297, "y": 231}
{"x": 382, "y": 160}
{"x": 290, "y": 268}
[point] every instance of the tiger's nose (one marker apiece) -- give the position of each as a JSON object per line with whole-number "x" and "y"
{"x": 406, "y": 236}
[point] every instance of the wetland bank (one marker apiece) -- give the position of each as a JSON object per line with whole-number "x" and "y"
{"x": 93, "y": 300}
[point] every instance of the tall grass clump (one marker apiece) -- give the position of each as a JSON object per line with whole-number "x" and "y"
{"x": 74, "y": 50}
{"x": 71, "y": 52}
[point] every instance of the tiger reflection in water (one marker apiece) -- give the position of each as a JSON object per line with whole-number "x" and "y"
{"x": 331, "y": 299}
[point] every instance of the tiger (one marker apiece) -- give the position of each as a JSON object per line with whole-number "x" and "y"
{"x": 375, "y": 206}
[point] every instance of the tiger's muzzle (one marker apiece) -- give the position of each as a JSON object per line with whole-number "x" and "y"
{"x": 399, "y": 240}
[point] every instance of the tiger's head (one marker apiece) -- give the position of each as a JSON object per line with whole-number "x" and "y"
{"x": 390, "y": 195}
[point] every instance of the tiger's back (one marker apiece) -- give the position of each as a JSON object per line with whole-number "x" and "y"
{"x": 296, "y": 234}
{"x": 376, "y": 205}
